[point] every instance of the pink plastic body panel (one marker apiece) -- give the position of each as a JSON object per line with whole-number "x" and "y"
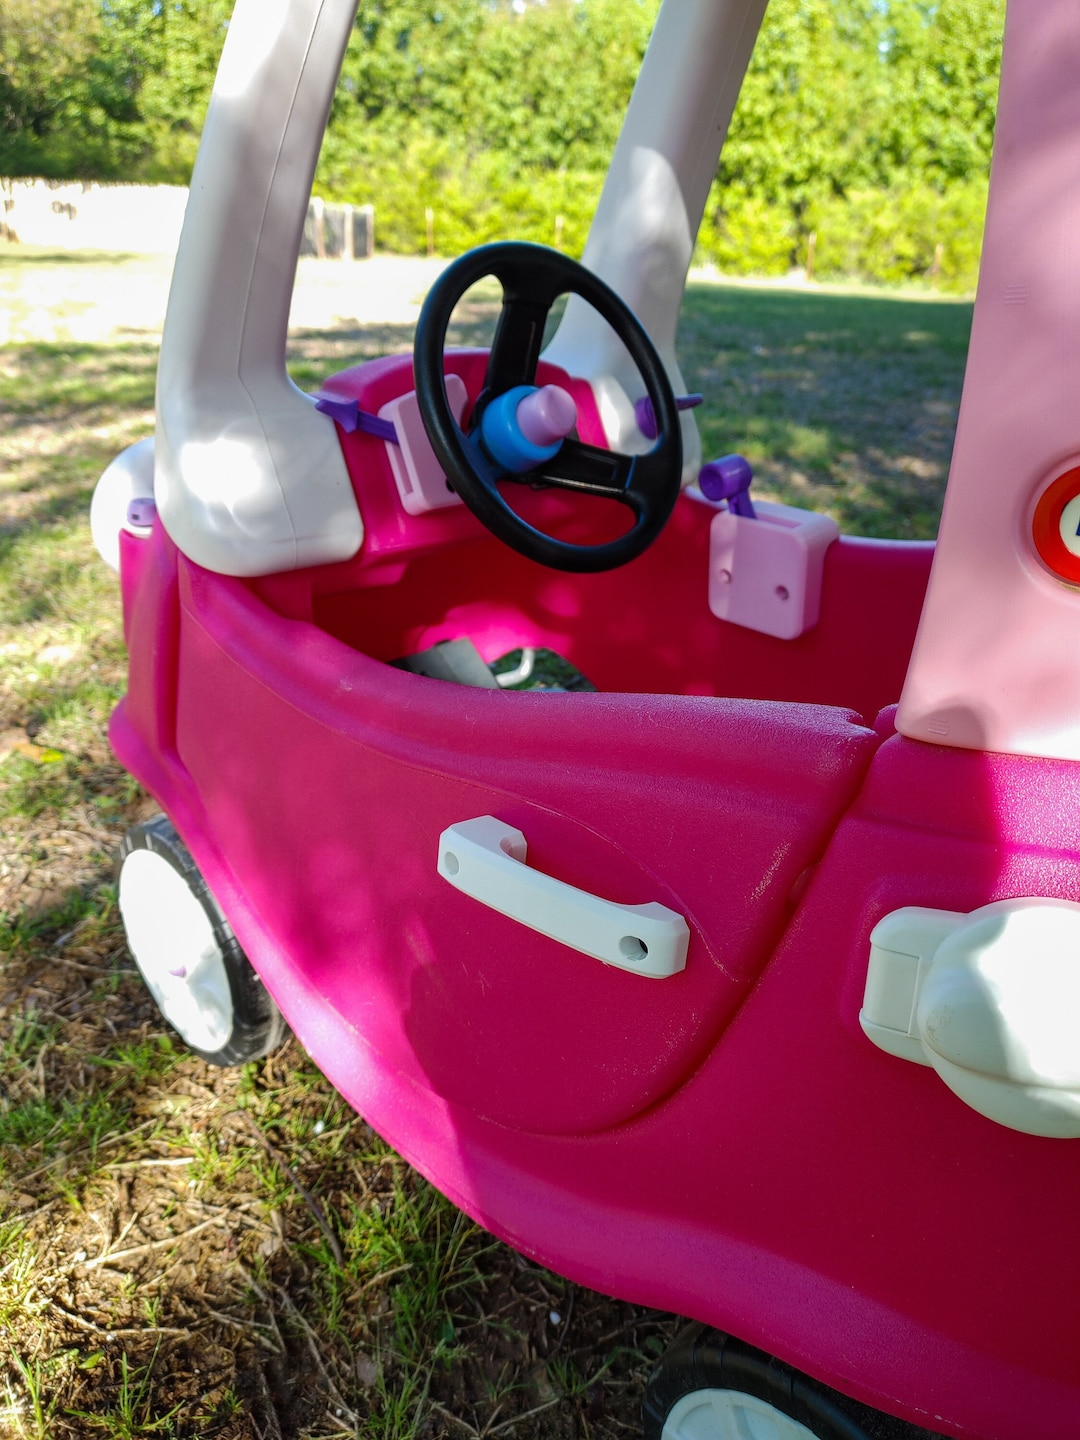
{"x": 725, "y": 1143}
{"x": 997, "y": 666}
{"x": 618, "y": 822}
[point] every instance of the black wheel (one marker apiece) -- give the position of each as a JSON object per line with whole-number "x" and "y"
{"x": 710, "y": 1386}
{"x": 203, "y": 983}
{"x": 532, "y": 278}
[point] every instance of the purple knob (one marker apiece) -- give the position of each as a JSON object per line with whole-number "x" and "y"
{"x": 728, "y": 479}
{"x": 141, "y": 512}
{"x": 547, "y": 416}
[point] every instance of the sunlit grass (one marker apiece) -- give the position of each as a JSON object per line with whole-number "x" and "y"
{"x": 843, "y": 401}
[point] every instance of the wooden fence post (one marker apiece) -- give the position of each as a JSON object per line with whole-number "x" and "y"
{"x": 320, "y": 228}
{"x": 366, "y": 217}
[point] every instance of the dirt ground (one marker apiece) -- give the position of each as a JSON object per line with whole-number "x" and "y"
{"x": 94, "y": 301}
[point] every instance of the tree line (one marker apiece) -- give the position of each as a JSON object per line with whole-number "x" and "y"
{"x": 860, "y": 143}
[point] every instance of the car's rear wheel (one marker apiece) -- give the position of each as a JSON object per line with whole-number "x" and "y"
{"x": 710, "y": 1386}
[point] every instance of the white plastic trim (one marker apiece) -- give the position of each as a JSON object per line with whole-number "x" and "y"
{"x": 129, "y": 477}
{"x": 729, "y": 1415}
{"x": 991, "y": 1000}
{"x": 172, "y": 941}
{"x": 485, "y": 858}
{"x": 642, "y": 237}
{"x": 250, "y": 478}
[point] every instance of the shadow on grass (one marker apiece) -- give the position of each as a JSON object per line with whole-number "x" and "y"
{"x": 314, "y": 354}
{"x": 65, "y": 412}
{"x": 56, "y": 382}
{"x": 843, "y": 402}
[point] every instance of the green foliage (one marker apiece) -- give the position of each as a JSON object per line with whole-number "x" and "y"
{"x": 747, "y": 236}
{"x": 106, "y": 89}
{"x": 869, "y": 125}
{"x": 845, "y": 95}
{"x": 67, "y": 89}
{"x": 869, "y": 122}
{"x": 473, "y": 200}
{"x": 934, "y": 119}
{"x": 497, "y": 122}
{"x": 892, "y": 236}
{"x": 187, "y": 38}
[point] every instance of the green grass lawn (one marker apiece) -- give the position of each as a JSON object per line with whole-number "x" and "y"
{"x": 192, "y": 1252}
{"x": 842, "y": 402}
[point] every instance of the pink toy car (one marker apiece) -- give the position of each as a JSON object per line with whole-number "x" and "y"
{"x": 727, "y": 987}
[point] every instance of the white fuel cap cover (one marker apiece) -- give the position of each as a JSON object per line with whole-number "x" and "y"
{"x": 996, "y": 1008}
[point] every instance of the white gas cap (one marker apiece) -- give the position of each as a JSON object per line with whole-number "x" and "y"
{"x": 991, "y": 1000}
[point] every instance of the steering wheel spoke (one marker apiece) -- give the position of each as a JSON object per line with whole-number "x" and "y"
{"x": 590, "y": 469}
{"x": 515, "y": 351}
{"x": 532, "y": 278}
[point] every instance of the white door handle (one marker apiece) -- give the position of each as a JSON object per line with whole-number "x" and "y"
{"x": 486, "y": 859}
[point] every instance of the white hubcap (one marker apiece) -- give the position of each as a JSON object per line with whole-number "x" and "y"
{"x": 730, "y": 1415}
{"x": 171, "y": 938}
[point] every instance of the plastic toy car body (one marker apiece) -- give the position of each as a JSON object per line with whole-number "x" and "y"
{"x": 652, "y": 981}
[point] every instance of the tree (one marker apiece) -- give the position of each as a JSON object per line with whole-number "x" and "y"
{"x": 180, "y": 55}
{"x": 940, "y": 66}
{"x": 64, "y": 109}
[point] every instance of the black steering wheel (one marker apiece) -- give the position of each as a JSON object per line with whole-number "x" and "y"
{"x": 532, "y": 278}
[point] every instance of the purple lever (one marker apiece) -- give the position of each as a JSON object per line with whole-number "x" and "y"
{"x": 729, "y": 479}
{"x": 350, "y": 417}
{"x": 645, "y": 415}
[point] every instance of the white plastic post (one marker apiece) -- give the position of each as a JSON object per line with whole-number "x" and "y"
{"x": 249, "y": 477}
{"x": 643, "y": 234}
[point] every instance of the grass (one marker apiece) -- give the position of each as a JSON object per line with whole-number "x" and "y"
{"x": 842, "y": 402}
{"x": 189, "y": 1252}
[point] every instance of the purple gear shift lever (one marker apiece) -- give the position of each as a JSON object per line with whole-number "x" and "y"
{"x": 729, "y": 479}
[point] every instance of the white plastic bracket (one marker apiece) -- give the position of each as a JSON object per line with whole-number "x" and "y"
{"x": 127, "y": 479}
{"x": 485, "y": 858}
{"x": 765, "y": 573}
{"x": 421, "y": 480}
{"x": 902, "y": 948}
